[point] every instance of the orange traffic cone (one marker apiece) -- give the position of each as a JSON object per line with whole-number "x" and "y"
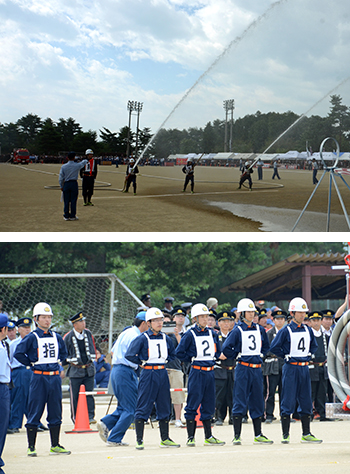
{"x": 199, "y": 423}
{"x": 82, "y": 424}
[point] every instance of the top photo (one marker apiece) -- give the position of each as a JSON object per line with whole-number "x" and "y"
{"x": 175, "y": 116}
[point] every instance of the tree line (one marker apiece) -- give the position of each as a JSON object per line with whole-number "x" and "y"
{"x": 251, "y": 134}
{"x": 192, "y": 271}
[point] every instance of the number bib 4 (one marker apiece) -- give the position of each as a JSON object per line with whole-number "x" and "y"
{"x": 299, "y": 343}
{"x": 205, "y": 347}
{"x": 157, "y": 350}
{"x": 251, "y": 342}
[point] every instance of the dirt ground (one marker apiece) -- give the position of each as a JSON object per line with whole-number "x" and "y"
{"x": 90, "y": 455}
{"x": 30, "y": 200}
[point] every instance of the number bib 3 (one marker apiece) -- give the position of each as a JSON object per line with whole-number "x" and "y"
{"x": 251, "y": 342}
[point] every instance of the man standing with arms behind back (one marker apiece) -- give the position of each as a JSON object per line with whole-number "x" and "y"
{"x": 68, "y": 180}
{"x": 89, "y": 174}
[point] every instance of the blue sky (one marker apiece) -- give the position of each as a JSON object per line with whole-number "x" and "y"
{"x": 86, "y": 59}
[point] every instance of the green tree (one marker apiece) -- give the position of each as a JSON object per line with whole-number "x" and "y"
{"x": 68, "y": 129}
{"x": 29, "y": 126}
{"x": 339, "y": 117}
{"x": 49, "y": 138}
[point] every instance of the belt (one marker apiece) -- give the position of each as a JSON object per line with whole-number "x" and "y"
{"x": 227, "y": 368}
{"x": 154, "y": 367}
{"x": 5, "y": 383}
{"x": 319, "y": 364}
{"x": 299, "y": 363}
{"x": 81, "y": 366}
{"x": 200, "y": 367}
{"x": 41, "y": 372}
{"x": 254, "y": 366}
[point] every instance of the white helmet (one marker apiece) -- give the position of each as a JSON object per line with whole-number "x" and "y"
{"x": 198, "y": 309}
{"x": 131, "y": 160}
{"x": 298, "y": 304}
{"x": 153, "y": 313}
{"x": 247, "y": 163}
{"x": 89, "y": 152}
{"x": 246, "y": 304}
{"x": 42, "y": 308}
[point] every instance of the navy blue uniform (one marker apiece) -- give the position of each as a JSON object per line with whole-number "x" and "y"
{"x": 247, "y": 344}
{"x": 45, "y": 387}
{"x": 154, "y": 350}
{"x": 296, "y": 386}
{"x": 5, "y": 378}
{"x": 200, "y": 347}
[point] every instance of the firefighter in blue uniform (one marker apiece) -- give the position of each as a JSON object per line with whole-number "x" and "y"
{"x": 152, "y": 350}
{"x": 42, "y": 350}
{"x": 247, "y": 342}
{"x": 5, "y": 379}
{"x": 296, "y": 343}
{"x": 200, "y": 346}
{"x": 21, "y": 377}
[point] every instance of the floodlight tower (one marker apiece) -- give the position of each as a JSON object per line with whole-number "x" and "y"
{"x": 131, "y": 107}
{"x": 229, "y": 106}
{"x": 138, "y": 108}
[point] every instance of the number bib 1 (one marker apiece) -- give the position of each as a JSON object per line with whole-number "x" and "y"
{"x": 251, "y": 342}
{"x": 47, "y": 349}
{"x": 157, "y": 350}
{"x": 205, "y": 346}
{"x": 299, "y": 343}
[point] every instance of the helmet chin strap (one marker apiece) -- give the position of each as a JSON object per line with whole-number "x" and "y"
{"x": 249, "y": 323}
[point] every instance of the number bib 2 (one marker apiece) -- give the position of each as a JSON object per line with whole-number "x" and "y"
{"x": 157, "y": 350}
{"x": 205, "y": 346}
{"x": 251, "y": 342}
{"x": 299, "y": 343}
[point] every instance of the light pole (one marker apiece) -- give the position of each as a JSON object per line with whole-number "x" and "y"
{"x": 138, "y": 108}
{"x": 229, "y": 106}
{"x": 130, "y": 107}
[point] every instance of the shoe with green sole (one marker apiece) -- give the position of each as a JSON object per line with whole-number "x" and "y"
{"x": 31, "y": 452}
{"x": 213, "y": 442}
{"x": 262, "y": 439}
{"x": 285, "y": 439}
{"x": 169, "y": 443}
{"x": 59, "y": 450}
{"x": 191, "y": 442}
{"x": 310, "y": 438}
{"x": 140, "y": 445}
{"x": 237, "y": 441}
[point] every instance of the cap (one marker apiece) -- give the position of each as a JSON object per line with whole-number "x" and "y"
{"x": 186, "y": 305}
{"x": 26, "y": 322}
{"x": 77, "y": 317}
{"x": 168, "y": 299}
{"x": 145, "y": 297}
{"x": 4, "y": 320}
{"x": 224, "y": 315}
{"x": 71, "y": 155}
{"x": 328, "y": 313}
{"x": 212, "y": 312}
{"x": 178, "y": 311}
{"x": 234, "y": 309}
{"x": 11, "y": 324}
{"x": 315, "y": 315}
{"x": 141, "y": 315}
{"x": 269, "y": 321}
{"x": 262, "y": 313}
{"x": 42, "y": 308}
{"x": 279, "y": 313}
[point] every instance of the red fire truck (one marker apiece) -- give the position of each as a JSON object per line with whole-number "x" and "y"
{"x": 21, "y": 155}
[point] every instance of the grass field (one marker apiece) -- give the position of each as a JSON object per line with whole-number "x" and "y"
{"x": 30, "y": 199}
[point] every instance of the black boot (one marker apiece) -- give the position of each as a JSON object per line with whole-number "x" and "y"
{"x": 237, "y": 428}
{"x": 305, "y": 424}
{"x": 139, "y": 428}
{"x": 31, "y": 436}
{"x": 285, "y": 421}
{"x": 55, "y": 435}
{"x": 164, "y": 429}
{"x": 191, "y": 426}
{"x": 207, "y": 429}
{"x": 257, "y": 426}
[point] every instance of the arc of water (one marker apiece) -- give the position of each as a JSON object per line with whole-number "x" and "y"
{"x": 234, "y": 42}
